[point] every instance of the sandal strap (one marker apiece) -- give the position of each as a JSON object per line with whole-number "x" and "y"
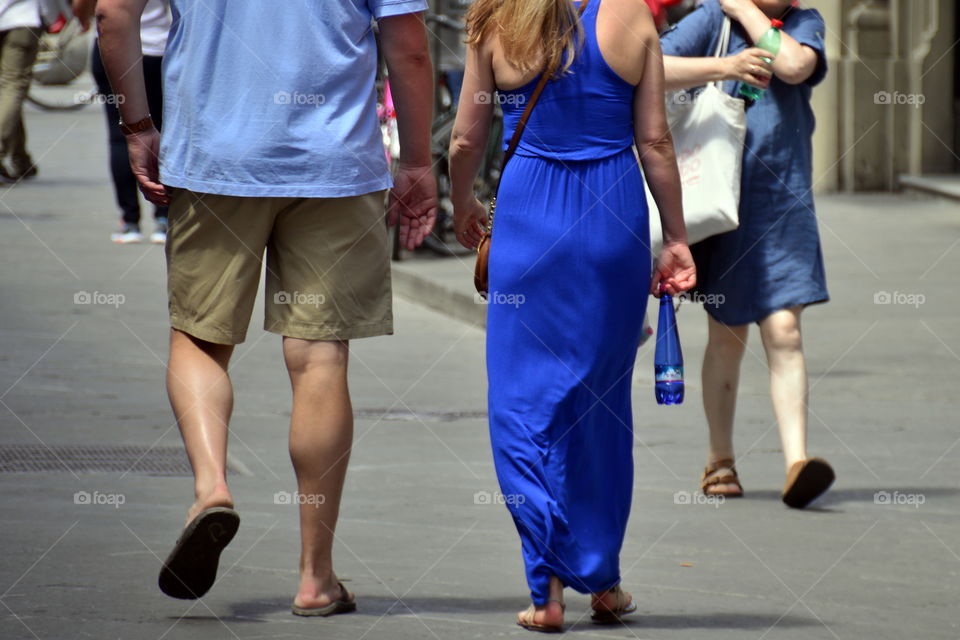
{"x": 623, "y": 600}
{"x": 720, "y": 472}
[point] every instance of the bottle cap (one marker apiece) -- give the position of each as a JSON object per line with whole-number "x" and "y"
{"x": 776, "y": 24}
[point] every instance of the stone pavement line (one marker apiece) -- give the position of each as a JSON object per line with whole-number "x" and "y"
{"x": 399, "y": 599}
{"x": 399, "y": 400}
{"x": 216, "y": 582}
{"x": 800, "y": 598}
{"x": 599, "y": 399}
{"x": 175, "y": 422}
{"x": 24, "y": 574}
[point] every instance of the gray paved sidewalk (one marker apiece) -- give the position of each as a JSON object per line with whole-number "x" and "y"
{"x": 426, "y": 560}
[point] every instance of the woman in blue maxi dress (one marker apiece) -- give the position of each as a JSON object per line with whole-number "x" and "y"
{"x": 569, "y": 278}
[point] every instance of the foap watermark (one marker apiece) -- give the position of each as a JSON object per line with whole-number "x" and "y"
{"x": 915, "y": 100}
{"x": 899, "y": 298}
{"x": 680, "y": 98}
{"x": 298, "y": 99}
{"x": 486, "y": 497}
{"x": 285, "y": 497}
{"x": 99, "y": 298}
{"x": 714, "y": 300}
{"x": 86, "y": 97}
{"x": 485, "y": 97}
{"x": 697, "y": 498}
{"x": 96, "y": 498}
{"x": 900, "y": 499}
{"x": 299, "y": 297}
{"x": 498, "y": 297}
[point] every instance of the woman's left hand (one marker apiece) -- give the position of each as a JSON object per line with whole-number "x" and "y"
{"x": 469, "y": 222}
{"x": 674, "y": 270}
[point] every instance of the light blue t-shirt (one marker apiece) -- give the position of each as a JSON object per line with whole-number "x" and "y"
{"x": 274, "y": 99}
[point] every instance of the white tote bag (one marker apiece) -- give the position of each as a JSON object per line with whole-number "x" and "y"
{"x": 708, "y": 135}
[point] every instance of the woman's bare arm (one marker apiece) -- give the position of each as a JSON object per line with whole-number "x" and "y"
{"x": 468, "y": 142}
{"x": 795, "y": 63}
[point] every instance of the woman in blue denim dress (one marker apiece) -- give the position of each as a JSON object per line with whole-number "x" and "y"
{"x": 771, "y": 267}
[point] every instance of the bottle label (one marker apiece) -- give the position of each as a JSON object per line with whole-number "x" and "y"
{"x": 669, "y": 374}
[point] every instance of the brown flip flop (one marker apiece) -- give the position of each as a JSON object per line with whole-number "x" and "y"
{"x": 191, "y": 568}
{"x": 807, "y": 480}
{"x": 344, "y": 604}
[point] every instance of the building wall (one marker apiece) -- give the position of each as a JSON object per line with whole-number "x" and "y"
{"x": 888, "y": 106}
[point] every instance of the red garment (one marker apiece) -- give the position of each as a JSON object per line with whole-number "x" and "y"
{"x": 659, "y": 9}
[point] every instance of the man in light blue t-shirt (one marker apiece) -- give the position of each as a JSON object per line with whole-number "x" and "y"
{"x": 271, "y": 145}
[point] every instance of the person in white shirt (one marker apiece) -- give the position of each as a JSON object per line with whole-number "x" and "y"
{"x": 154, "y": 27}
{"x": 21, "y": 23}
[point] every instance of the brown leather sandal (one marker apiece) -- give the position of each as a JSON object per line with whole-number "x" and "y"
{"x": 525, "y": 619}
{"x": 721, "y": 472}
{"x": 606, "y": 615}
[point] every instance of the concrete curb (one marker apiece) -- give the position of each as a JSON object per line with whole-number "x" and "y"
{"x": 455, "y": 302}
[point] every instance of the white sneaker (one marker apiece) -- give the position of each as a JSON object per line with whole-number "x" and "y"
{"x": 127, "y": 235}
{"x": 159, "y": 235}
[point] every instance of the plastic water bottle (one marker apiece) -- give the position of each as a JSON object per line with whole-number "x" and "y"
{"x": 770, "y": 41}
{"x": 668, "y": 358}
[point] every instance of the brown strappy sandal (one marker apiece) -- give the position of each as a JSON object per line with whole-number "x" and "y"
{"x": 625, "y": 605}
{"x": 721, "y": 472}
{"x": 525, "y": 619}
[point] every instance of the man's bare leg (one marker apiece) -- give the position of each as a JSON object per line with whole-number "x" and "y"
{"x": 201, "y": 395}
{"x": 321, "y": 435}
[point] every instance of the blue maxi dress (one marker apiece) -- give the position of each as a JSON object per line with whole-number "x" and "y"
{"x": 569, "y": 275}
{"x": 774, "y": 260}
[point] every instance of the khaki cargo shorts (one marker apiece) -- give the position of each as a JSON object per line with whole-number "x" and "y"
{"x": 327, "y": 266}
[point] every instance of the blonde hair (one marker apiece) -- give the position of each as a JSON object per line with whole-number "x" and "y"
{"x": 531, "y": 32}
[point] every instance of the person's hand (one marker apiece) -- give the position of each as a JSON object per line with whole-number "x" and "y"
{"x": 144, "y": 150}
{"x": 469, "y": 222}
{"x": 750, "y": 66}
{"x": 83, "y": 11}
{"x": 674, "y": 270}
{"x": 735, "y": 8}
{"x": 413, "y": 204}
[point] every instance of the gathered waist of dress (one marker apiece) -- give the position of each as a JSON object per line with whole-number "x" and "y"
{"x": 586, "y": 154}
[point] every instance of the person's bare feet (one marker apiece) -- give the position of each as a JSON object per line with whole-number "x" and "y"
{"x": 315, "y": 593}
{"x": 218, "y": 496}
{"x": 548, "y": 615}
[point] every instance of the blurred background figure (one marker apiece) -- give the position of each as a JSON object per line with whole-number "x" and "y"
{"x": 154, "y": 26}
{"x": 21, "y": 23}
